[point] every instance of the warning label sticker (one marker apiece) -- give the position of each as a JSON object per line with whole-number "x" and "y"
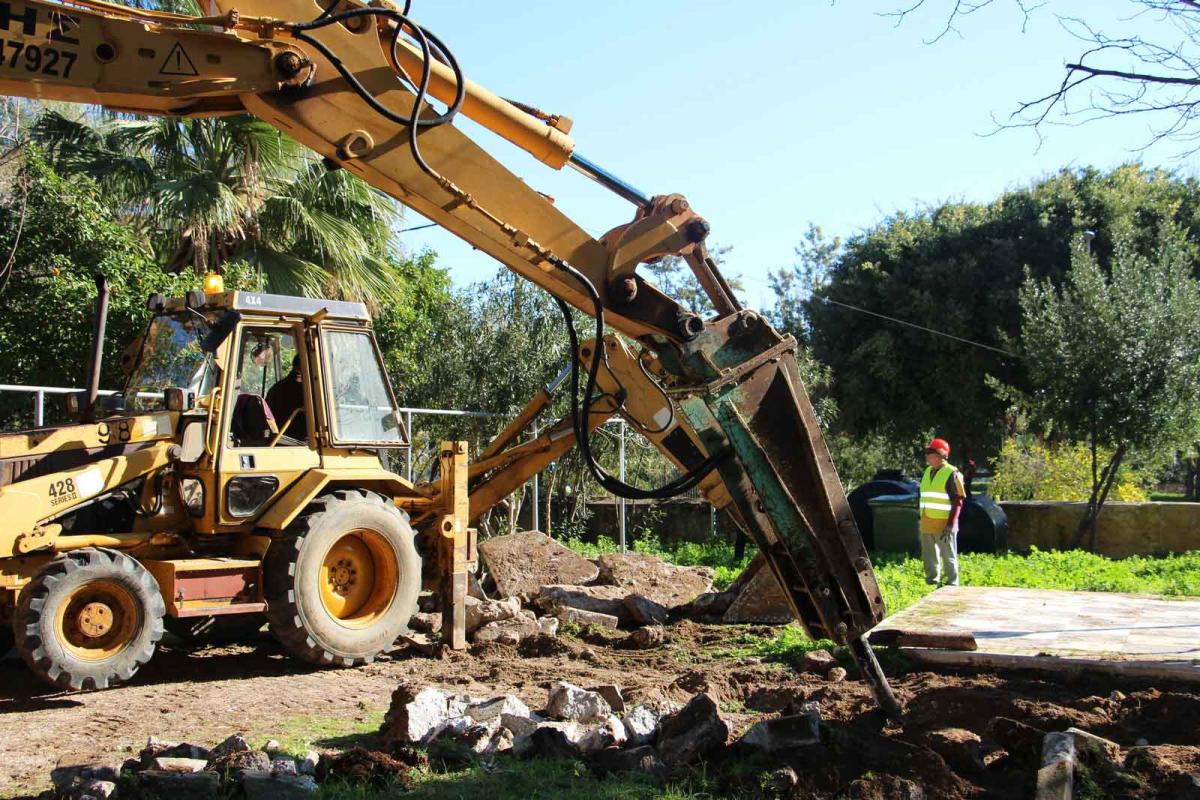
{"x": 178, "y": 62}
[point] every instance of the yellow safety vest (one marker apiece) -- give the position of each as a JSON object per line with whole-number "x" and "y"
{"x": 935, "y": 501}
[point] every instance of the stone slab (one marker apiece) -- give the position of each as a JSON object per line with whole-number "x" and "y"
{"x": 522, "y": 563}
{"x": 1124, "y": 634}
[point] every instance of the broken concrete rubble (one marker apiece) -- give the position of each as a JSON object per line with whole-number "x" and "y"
{"x": 609, "y": 733}
{"x": 612, "y": 695}
{"x": 571, "y": 703}
{"x": 644, "y": 611}
{"x": 641, "y": 725}
{"x": 786, "y": 733}
{"x": 497, "y": 707}
{"x": 522, "y": 563}
{"x": 483, "y": 612}
{"x": 509, "y": 631}
{"x": 579, "y": 616}
{"x": 415, "y": 717}
{"x": 600, "y": 599}
{"x": 646, "y": 638}
{"x": 695, "y": 731}
{"x": 666, "y": 584}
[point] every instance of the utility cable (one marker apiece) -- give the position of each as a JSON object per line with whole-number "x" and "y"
{"x": 933, "y": 331}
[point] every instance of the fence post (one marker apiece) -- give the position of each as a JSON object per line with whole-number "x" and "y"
{"x": 408, "y": 459}
{"x": 536, "y": 475}
{"x": 621, "y": 500}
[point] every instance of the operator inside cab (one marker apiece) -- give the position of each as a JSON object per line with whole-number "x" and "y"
{"x": 285, "y": 397}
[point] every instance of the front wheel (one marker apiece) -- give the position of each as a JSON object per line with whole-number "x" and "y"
{"x": 342, "y": 584}
{"x": 89, "y": 619}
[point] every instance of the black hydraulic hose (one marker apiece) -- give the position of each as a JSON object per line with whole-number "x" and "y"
{"x": 581, "y": 419}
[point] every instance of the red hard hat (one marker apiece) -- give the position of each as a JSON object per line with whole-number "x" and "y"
{"x": 940, "y": 446}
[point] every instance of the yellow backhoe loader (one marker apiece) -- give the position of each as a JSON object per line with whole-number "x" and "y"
{"x": 188, "y": 496}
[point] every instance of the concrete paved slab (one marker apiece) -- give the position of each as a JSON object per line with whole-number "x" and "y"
{"x": 1127, "y": 634}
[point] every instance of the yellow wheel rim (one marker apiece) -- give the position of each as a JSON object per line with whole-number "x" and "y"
{"x": 98, "y": 620}
{"x": 359, "y": 576}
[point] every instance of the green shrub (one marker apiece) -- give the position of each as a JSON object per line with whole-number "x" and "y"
{"x": 1030, "y": 469}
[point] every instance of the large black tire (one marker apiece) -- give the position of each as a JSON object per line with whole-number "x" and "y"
{"x": 342, "y": 584}
{"x": 61, "y": 620}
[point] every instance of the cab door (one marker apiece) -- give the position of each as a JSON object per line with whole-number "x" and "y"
{"x": 267, "y": 437}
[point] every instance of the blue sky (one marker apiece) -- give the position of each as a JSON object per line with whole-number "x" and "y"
{"x": 768, "y": 115}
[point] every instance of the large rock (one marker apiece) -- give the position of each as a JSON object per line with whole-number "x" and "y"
{"x": 268, "y": 786}
{"x": 497, "y": 708}
{"x": 570, "y": 703}
{"x": 482, "y": 612}
{"x": 578, "y": 616}
{"x": 156, "y": 785}
{"x": 609, "y": 733}
{"x": 601, "y": 599}
{"x": 522, "y": 563}
{"x": 644, "y": 611}
{"x": 234, "y": 744}
{"x": 612, "y": 695}
{"x": 416, "y": 716}
{"x": 961, "y": 748}
{"x": 635, "y": 759}
{"x": 760, "y": 601}
{"x": 90, "y": 789}
{"x": 67, "y": 775}
{"x": 550, "y": 740}
{"x": 786, "y": 733}
{"x": 641, "y": 725}
{"x": 509, "y": 631}
{"x": 692, "y": 732}
{"x": 655, "y": 579}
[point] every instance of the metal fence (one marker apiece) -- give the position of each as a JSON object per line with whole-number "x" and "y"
{"x": 39, "y": 419}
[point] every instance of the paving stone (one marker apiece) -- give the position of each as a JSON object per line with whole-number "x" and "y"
{"x": 644, "y": 611}
{"x": 571, "y": 703}
{"x": 1056, "y": 777}
{"x": 694, "y": 731}
{"x": 786, "y": 733}
{"x": 666, "y": 584}
{"x": 179, "y": 785}
{"x": 522, "y": 563}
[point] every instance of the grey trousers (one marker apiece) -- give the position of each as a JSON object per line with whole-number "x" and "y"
{"x": 939, "y": 551}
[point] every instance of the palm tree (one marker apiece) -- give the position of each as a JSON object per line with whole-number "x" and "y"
{"x": 206, "y": 192}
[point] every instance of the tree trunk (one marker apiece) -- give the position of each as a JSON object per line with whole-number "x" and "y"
{"x": 1102, "y": 484}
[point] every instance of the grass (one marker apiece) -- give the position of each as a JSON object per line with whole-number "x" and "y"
{"x": 902, "y": 579}
{"x": 297, "y": 735}
{"x": 508, "y": 779}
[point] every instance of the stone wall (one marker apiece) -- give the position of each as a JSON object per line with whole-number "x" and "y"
{"x": 1123, "y": 529}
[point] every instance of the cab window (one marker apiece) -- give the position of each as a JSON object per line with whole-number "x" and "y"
{"x": 269, "y": 394}
{"x": 360, "y": 398}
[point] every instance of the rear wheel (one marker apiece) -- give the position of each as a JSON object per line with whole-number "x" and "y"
{"x": 342, "y": 585}
{"x": 89, "y": 619}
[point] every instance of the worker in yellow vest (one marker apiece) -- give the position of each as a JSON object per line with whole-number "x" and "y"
{"x": 942, "y": 496}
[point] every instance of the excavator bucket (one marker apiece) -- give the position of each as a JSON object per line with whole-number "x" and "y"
{"x": 748, "y": 403}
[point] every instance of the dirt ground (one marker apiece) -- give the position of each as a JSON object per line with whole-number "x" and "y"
{"x": 201, "y": 695}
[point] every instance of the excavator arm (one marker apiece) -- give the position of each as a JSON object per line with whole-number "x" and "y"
{"x": 722, "y": 398}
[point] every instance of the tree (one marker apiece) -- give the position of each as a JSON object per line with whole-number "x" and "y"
{"x": 1115, "y": 358}
{"x": 206, "y": 192}
{"x": 957, "y": 268}
{"x": 1149, "y": 67}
